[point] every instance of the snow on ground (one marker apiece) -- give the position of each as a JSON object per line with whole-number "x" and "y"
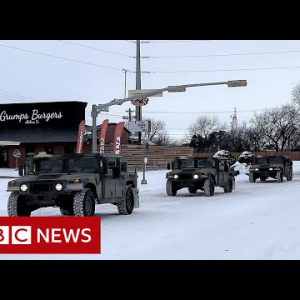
{"x": 257, "y": 221}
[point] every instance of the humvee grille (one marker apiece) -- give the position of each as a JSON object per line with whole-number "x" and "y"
{"x": 185, "y": 176}
{"x": 41, "y": 187}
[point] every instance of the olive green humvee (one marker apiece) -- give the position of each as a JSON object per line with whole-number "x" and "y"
{"x": 200, "y": 174}
{"x": 275, "y": 167}
{"x": 75, "y": 183}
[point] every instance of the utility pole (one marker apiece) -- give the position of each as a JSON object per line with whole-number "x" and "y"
{"x": 138, "y": 110}
{"x": 129, "y": 114}
{"x": 125, "y": 82}
{"x": 234, "y": 123}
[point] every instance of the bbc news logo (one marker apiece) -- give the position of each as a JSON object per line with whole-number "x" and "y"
{"x": 46, "y": 235}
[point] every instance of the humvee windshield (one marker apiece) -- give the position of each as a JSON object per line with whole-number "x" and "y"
{"x": 183, "y": 163}
{"x": 50, "y": 166}
{"x": 205, "y": 163}
{"x": 83, "y": 165}
{"x": 262, "y": 160}
{"x": 276, "y": 160}
{"x": 186, "y": 163}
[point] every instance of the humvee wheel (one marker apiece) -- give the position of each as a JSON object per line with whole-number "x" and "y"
{"x": 228, "y": 187}
{"x": 251, "y": 178}
{"x": 279, "y": 177}
{"x": 171, "y": 190}
{"x": 290, "y": 176}
{"x": 192, "y": 190}
{"x": 209, "y": 187}
{"x": 84, "y": 203}
{"x": 17, "y": 207}
{"x": 262, "y": 178}
{"x": 125, "y": 207}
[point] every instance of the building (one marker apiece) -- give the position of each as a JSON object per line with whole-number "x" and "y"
{"x": 50, "y": 127}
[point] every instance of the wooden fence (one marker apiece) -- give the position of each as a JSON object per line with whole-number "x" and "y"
{"x": 159, "y": 156}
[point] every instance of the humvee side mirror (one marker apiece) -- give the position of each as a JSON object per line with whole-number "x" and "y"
{"x": 168, "y": 166}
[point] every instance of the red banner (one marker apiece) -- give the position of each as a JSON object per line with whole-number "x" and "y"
{"x": 81, "y": 131}
{"x": 102, "y": 135}
{"x": 69, "y": 235}
{"x": 117, "y": 138}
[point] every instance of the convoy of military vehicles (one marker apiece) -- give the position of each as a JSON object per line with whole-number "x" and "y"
{"x": 76, "y": 183}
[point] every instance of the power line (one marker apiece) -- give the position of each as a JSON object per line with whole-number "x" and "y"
{"x": 62, "y": 58}
{"x": 225, "y": 70}
{"x": 225, "y": 55}
{"x": 97, "y": 49}
{"x": 205, "y": 112}
{"x": 11, "y": 94}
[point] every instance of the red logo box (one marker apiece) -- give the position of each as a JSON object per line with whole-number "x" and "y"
{"x": 58, "y": 235}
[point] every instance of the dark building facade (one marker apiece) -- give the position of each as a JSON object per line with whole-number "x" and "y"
{"x": 50, "y": 127}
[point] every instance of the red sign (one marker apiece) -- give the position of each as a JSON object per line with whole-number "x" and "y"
{"x": 57, "y": 235}
{"x": 117, "y": 138}
{"x": 102, "y": 135}
{"x": 81, "y": 130}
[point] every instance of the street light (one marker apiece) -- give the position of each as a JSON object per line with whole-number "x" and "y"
{"x": 96, "y": 109}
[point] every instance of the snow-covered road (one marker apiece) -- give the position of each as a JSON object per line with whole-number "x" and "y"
{"x": 256, "y": 221}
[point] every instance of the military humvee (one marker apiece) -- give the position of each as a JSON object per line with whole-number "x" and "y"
{"x": 276, "y": 167}
{"x": 75, "y": 183}
{"x": 200, "y": 174}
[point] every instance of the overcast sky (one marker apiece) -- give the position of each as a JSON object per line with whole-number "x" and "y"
{"x": 97, "y": 76}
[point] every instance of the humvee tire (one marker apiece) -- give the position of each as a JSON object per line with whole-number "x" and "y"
{"x": 290, "y": 176}
{"x": 192, "y": 190}
{"x": 262, "y": 178}
{"x": 16, "y": 207}
{"x": 171, "y": 190}
{"x": 230, "y": 186}
{"x": 84, "y": 203}
{"x": 279, "y": 176}
{"x": 209, "y": 187}
{"x": 125, "y": 207}
{"x": 251, "y": 178}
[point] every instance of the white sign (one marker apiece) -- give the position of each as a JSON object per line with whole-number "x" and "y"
{"x": 144, "y": 125}
{"x": 17, "y": 153}
{"x": 138, "y": 126}
{"x": 138, "y": 92}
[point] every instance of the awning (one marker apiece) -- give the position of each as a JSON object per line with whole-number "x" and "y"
{"x": 9, "y": 143}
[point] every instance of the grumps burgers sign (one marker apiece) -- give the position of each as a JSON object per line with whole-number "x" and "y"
{"x": 34, "y": 118}
{"x": 47, "y": 114}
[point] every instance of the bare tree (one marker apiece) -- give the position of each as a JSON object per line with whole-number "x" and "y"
{"x": 296, "y": 94}
{"x": 158, "y": 133}
{"x": 277, "y": 128}
{"x": 205, "y": 125}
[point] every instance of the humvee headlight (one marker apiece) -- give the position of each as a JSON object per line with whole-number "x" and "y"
{"x": 176, "y": 176}
{"x": 58, "y": 187}
{"x": 24, "y": 187}
{"x": 196, "y": 176}
{"x": 271, "y": 169}
{"x": 256, "y": 169}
